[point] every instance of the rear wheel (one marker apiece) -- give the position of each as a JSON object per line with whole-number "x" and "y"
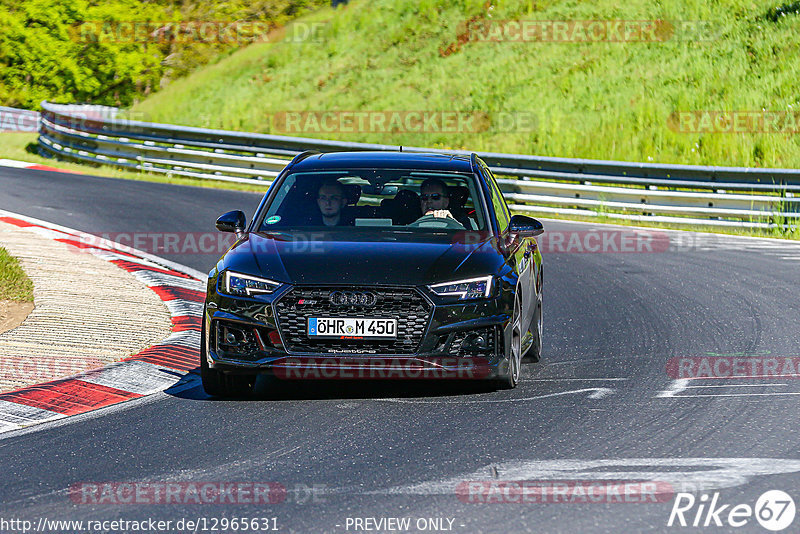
{"x": 217, "y": 383}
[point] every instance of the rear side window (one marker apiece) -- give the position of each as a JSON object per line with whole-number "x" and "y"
{"x": 499, "y": 203}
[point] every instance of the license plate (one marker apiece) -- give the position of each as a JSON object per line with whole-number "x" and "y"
{"x": 360, "y": 327}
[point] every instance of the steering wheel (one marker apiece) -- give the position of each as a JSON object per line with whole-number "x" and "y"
{"x": 432, "y": 221}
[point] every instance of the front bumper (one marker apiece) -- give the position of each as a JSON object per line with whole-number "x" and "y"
{"x": 460, "y": 341}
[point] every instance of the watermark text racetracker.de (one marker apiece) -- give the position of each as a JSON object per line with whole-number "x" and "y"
{"x": 160, "y": 242}
{"x": 600, "y": 241}
{"x": 18, "y": 121}
{"x": 92, "y": 118}
{"x": 401, "y": 121}
{"x": 232, "y": 32}
{"x": 564, "y": 491}
{"x": 735, "y": 122}
{"x": 619, "y": 241}
{"x": 33, "y": 370}
{"x": 733, "y": 366}
{"x": 372, "y": 368}
{"x": 195, "y": 492}
{"x": 604, "y": 241}
{"x": 588, "y": 31}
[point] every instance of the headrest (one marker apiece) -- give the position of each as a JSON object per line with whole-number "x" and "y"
{"x": 407, "y": 197}
{"x": 353, "y": 193}
{"x": 458, "y": 196}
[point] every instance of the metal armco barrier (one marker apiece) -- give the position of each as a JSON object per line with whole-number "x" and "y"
{"x": 678, "y": 194}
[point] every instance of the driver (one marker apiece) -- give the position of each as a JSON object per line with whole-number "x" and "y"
{"x": 434, "y": 198}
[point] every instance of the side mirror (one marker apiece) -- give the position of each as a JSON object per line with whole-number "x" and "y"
{"x": 233, "y": 221}
{"x": 525, "y": 226}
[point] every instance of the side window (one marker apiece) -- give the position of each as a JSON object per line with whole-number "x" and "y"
{"x": 499, "y": 203}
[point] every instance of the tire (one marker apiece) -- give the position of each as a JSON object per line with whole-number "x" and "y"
{"x": 511, "y": 378}
{"x": 217, "y": 383}
{"x": 535, "y": 350}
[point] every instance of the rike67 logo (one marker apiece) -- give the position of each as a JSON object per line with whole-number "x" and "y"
{"x": 774, "y": 510}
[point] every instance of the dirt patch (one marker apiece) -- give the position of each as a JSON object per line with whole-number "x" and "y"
{"x": 12, "y": 314}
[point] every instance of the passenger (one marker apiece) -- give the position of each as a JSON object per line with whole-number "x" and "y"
{"x": 331, "y": 199}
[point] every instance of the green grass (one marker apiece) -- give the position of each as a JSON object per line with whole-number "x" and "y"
{"x": 590, "y": 100}
{"x": 21, "y": 147}
{"x": 14, "y": 283}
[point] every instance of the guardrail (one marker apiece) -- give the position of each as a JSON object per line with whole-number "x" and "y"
{"x": 678, "y": 194}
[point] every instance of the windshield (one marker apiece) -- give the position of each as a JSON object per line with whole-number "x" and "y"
{"x": 376, "y": 200}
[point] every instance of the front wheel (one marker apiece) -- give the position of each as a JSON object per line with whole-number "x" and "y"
{"x": 511, "y": 378}
{"x": 535, "y": 351}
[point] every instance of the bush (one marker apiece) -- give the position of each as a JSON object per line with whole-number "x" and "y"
{"x": 56, "y": 50}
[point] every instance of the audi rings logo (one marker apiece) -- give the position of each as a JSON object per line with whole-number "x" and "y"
{"x": 353, "y": 298}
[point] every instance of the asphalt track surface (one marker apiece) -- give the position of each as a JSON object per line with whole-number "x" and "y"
{"x": 600, "y": 405}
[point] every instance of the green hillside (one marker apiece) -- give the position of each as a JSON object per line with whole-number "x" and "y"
{"x": 608, "y": 100}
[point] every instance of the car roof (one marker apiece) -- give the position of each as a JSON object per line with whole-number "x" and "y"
{"x": 384, "y": 160}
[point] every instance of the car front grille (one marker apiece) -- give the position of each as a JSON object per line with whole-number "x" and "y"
{"x": 406, "y": 305}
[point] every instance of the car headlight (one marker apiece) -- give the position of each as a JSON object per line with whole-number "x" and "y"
{"x": 245, "y": 285}
{"x": 474, "y": 288}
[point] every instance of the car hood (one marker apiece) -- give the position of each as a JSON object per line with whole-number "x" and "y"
{"x": 387, "y": 259}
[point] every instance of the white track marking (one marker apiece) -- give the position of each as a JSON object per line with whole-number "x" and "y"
{"x": 8, "y": 427}
{"x": 186, "y": 338}
{"x": 11, "y": 412}
{"x": 133, "y": 376}
{"x": 184, "y": 307}
{"x": 736, "y": 386}
{"x": 674, "y": 388}
{"x": 747, "y": 377}
{"x": 14, "y": 163}
{"x": 597, "y": 393}
{"x": 739, "y": 395}
{"x": 14, "y": 416}
{"x": 677, "y": 388}
{"x": 568, "y": 379}
{"x": 701, "y": 474}
{"x": 154, "y": 279}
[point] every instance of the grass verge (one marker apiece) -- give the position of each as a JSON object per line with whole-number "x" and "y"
{"x": 14, "y": 283}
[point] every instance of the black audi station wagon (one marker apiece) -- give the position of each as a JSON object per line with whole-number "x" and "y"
{"x": 375, "y": 265}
